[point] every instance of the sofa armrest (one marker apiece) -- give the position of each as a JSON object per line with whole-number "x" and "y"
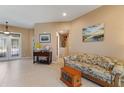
{"x": 117, "y": 72}
{"x": 118, "y": 69}
{"x": 70, "y": 58}
{"x": 66, "y": 59}
{"x": 116, "y": 81}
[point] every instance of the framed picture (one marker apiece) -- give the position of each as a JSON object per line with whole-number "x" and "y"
{"x": 45, "y": 38}
{"x": 93, "y": 33}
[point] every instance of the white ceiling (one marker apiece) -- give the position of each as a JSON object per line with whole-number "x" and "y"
{"x": 26, "y": 16}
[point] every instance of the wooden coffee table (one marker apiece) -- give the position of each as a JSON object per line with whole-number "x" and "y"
{"x": 70, "y": 76}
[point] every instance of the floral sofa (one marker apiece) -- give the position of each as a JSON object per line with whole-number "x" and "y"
{"x": 103, "y": 70}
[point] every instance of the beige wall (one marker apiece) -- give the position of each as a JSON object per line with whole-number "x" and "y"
{"x": 27, "y": 35}
{"x": 50, "y": 28}
{"x": 113, "y": 44}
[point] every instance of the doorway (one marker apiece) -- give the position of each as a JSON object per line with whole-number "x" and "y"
{"x": 62, "y": 44}
{"x": 10, "y": 46}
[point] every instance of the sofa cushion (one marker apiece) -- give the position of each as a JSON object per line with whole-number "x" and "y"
{"x": 104, "y": 62}
{"x": 97, "y": 72}
{"x": 85, "y": 58}
{"x": 78, "y": 65}
{"x": 79, "y": 58}
{"x": 101, "y": 73}
{"x": 83, "y": 66}
{"x": 93, "y": 70}
{"x": 88, "y": 59}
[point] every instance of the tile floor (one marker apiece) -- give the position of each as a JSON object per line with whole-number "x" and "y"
{"x": 23, "y": 73}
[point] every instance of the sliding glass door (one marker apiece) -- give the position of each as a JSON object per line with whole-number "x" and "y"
{"x": 3, "y": 48}
{"x": 10, "y": 47}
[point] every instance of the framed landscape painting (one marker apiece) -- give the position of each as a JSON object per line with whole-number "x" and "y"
{"x": 93, "y": 33}
{"x": 45, "y": 38}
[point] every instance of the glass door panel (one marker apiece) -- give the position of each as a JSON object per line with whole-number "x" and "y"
{"x": 3, "y": 48}
{"x": 14, "y": 47}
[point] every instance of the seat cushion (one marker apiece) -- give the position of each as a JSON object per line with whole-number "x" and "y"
{"x": 78, "y": 65}
{"x": 100, "y": 73}
{"x": 93, "y": 70}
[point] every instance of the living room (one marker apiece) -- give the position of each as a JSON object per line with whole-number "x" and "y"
{"x": 110, "y": 17}
{"x": 66, "y": 37}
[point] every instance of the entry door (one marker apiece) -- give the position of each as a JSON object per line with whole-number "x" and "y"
{"x": 3, "y": 48}
{"x": 15, "y": 48}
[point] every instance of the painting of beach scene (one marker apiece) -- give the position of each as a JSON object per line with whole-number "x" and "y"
{"x": 93, "y": 33}
{"x": 45, "y": 38}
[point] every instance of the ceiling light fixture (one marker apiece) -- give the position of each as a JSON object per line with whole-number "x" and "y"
{"x": 6, "y": 32}
{"x": 6, "y": 27}
{"x": 64, "y": 14}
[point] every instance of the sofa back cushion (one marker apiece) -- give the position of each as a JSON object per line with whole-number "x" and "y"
{"x": 88, "y": 58}
{"x": 79, "y": 58}
{"x": 85, "y": 58}
{"x": 102, "y": 61}
{"x": 106, "y": 63}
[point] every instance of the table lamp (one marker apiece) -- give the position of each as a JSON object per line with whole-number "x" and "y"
{"x": 38, "y": 46}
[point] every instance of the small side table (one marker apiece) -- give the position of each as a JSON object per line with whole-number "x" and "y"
{"x": 71, "y": 76}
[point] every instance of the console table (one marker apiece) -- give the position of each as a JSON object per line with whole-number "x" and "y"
{"x": 42, "y": 57}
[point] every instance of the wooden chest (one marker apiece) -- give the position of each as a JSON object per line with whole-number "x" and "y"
{"x": 71, "y": 76}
